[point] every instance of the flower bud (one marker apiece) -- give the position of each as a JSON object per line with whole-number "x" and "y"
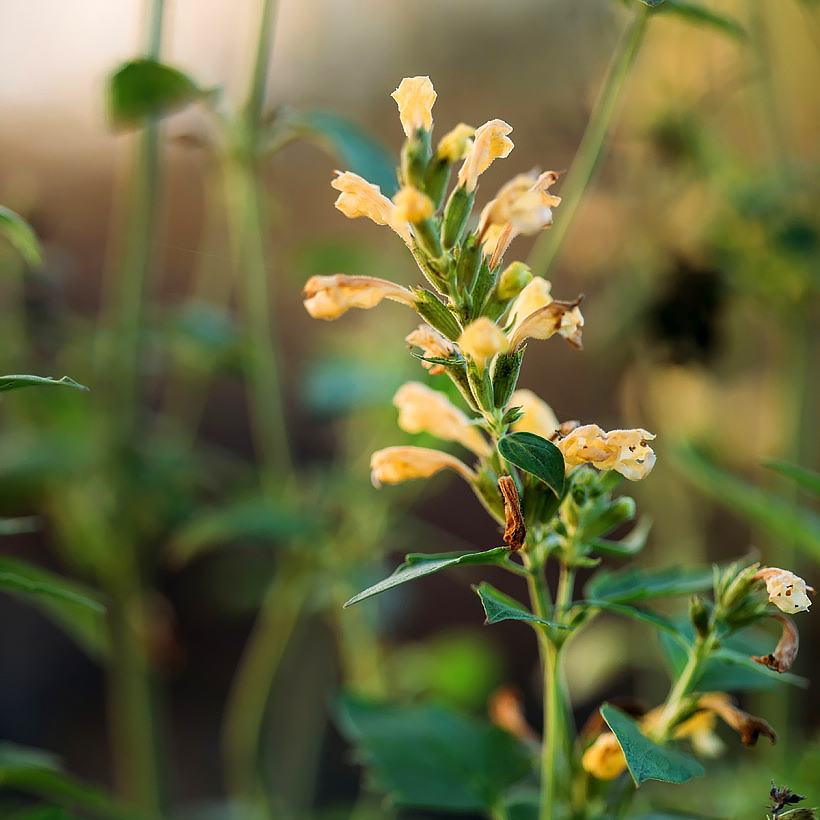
{"x": 468, "y": 264}
{"x": 481, "y": 386}
{"x": 481, "y": 340}
{"x": 513, "y": 280}
{"x": 456, "y": 213}
{"x": 506, "y": 368}
{"x": 700, "y": 616}
{"x": 430, "y": 308}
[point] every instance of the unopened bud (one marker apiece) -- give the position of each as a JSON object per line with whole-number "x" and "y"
{"x": 468, "y": 264}
{"x": 619, "y": 511}
{"x": 436, "y": 178}
{"x": 415, "y": 154}
{"x": 436, "y": 314}
{"x": 513, "y": 280}
{"x": 456, "y": 213}
{"x": 505, "y": 376}
{"x": 481, "y": 386}
{"x": 699, "y": 616}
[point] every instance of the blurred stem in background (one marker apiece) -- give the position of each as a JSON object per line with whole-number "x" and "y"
{"x": 136, "y": 752}
{"x": 593, "y": 143}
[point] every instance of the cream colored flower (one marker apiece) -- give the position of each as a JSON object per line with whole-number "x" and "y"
{"x": 534, "y": 296}
{"x": 422, "y": 410}
{"x": 412, "y": 205}
{"x": 358, "y": 197}
{"x": 523, "y": 203}
{"x": 415, "y": 97}
{"x": 328, "y": 297}
{"x": 456, "y": 143}
{"x": 563, "y": 318}
{"x": 481, "y": 340}
{"x": 787, "y": 591}
{"x": 491, "y": 142}
{"x": 396, "y": 464}
{"x": 538, "y": 416}
{"x": 433, "y": 344}
{"x": 604, "y": 759}
{"x": 625, "y": 451}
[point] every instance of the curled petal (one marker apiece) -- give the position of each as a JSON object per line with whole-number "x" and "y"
{"x": 521, "y": 203}
{"x": 604, "y": 759}
{"x": 358, "y": 197}
{"x": 328, "y": 297}
{"x": 415, "y": 97}
{"x": 787, "y": 591}
{"x": 481, "y": 340}
{"x": 422, "y": 410}
{"x": 563, "y": 318}
{"x": 537, "y": 417}
{"x": 785, "y": 652}
{"x": 748, "y": 726}
{"x": 490, "y": 142}
{"x": 625, "y": 451}
{"x": 393, "y": 465}
{"x": 433, "y": 344}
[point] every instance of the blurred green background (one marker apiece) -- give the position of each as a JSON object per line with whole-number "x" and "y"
{"x": 213, "y": 486}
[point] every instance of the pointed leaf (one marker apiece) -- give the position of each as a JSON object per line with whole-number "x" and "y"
{"x": 631, "y": 544}
{"x": 635, "y": 584}
{"x": 500, "y": 607}
{"x": 702, "y": 15}
{"x": 651, "y": 618}
{"x": 16, "y": 382}
{"x": 428, "y": 756}
{"x": 145, "y": 88}
{"x": 417, "y": 565}
{"x": 356, "y": 150}
{"x": 72, "y": 606}
{"x": 646, "y": 759}
{"x": 766, "y": 510}
{"x": 806, "y": 479}
{"x": 535, "y": 455}
{"x": 21, "y": 236}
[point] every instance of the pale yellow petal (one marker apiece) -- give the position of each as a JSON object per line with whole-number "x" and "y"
{"x": 415, "y": 97}
{"x": 490, "y": 143}
{"x": 481, "y": 340}
{"x": 538, "y": 417}
{"x": 393, "y": 465}
{"x": 328, "y": 297}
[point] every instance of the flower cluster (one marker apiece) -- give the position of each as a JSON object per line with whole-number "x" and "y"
{"x": 477, "y": 313}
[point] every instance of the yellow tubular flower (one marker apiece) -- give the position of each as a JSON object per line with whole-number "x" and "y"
{"x": 396, "y": 464}
{"x": 358, "y": 197}
{"x": 481, "y": 340}
{"x": 412, "y": 205}
{"x": 604, "y": 759}
{"x": 422, "y": 410}
{"x": 456, "y": 144}
{"x": 533, "y": 297}
{"x": 415, "y": 97}
{"x": 625, "y": 451}
{"x": 538, "y": 416}
{"x": 787, "y": 591}
{"x": 433, "y": 344}
{"x": 563, "y": 318}
{"x": 328, "y": 297}
{"x": 491, "y": 142}
{"x": 522, "y": 203}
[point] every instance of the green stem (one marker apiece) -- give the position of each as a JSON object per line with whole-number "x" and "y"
{"x": 592, "y": 144}
{"x": 676, "y": 701}
{"x": 554, "y": 767}
{"x": 248, "y": 698}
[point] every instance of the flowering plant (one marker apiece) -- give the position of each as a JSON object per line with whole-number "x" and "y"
{"x": 549, "y": 484}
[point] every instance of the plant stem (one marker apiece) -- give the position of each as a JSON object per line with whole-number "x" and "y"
{"x": 593, "y": 142}
{"x": 553, "y": 766}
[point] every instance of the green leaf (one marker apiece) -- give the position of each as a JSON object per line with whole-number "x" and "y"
{"x": 356, "y": 150}
{"x": 15, "y": 526}
{"x": 417, "y": 565}
{"x": 651, "y": 618}
{"x": 21, "y": 237}
{"x": 74, "y": 607}
{"x": 243, "y": 519}
{"x": 500, "y": 607}
{"x": 806, "y": 479}
{"x": 645, "y": 758}
{"x": 144, "y": 88}
{"x": 430, "y": 757}
{"x": 535, "y": 455}
{"x": 32, "y": 771}
{"x": 16, "y": 382}
{"x": 632, "y": 544}
{"x": 704, "y": 16}
{"x": 730, "y": 668}
{"x": 766, "y": 510}
{"x": 635, "y": 584}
